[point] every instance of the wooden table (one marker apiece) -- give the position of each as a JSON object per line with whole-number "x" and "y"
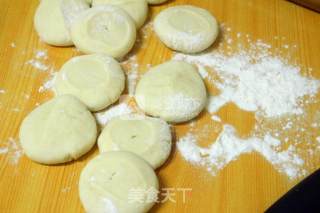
{"x": 249, "y": 184}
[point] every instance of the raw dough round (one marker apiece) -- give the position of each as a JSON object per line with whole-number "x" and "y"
{"x": 137, "y": 9}
{"x": 156, "y": 1}
{"x": 150, "y": 138}
{"x": 108, "y": 184}
{"x": 58, "y": 131}
{"x": 173, "y": 91}
{"x": 97, "y": 80}
{"x": 104, "y": 29}
{"x": 49, "y": 23}
{"x": 71, "y": 9}
{"x": 187, "y": 29}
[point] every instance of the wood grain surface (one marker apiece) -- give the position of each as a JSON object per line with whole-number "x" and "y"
{"x": 249, "y": 184}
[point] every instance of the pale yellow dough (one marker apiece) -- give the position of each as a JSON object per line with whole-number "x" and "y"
{"x": 58, "y": 131}
{"x": 104, "y": 29}
{"x": 97, "y": 80}
{"x": 50, "y": 25}
{"x": 156, "y": 1}
{"x": 186, "y": 28}
{"x": 148, "y": 137}
{"x": 109, "y": 183}
{"x": 137, "y": 9}
{"x": 173, "y": 91}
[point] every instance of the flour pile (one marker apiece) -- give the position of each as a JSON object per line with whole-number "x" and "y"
{"x": 228, "y": 147}
{"x": 260, "y": 81}
{"x": 256, "y": 81}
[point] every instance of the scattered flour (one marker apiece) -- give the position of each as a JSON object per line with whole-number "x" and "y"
{"x": 256, "y": 81}
{"x": 48, "y": 85}
{"x": 13, "y": 45}
{"x": 13, "y": 151}
{"x": 121, "y": 109}
{"x": 38, "y": 60}
{"x": 132, "y": 73}
{"x": 228, "y": 147}
{"x": 66, "y": 189}
{"x": 2, "y": 91}
{"x": 216, "y": 118}
{"x": 260, "y": 81}
{"x": 202, "y": 71}
{"x": 4, "y": 150}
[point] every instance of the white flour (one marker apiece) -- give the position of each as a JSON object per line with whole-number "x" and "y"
{"x": 132, "y": 71}
{"x": 48, "y": 85}
{"x": 181, "y": 104}
{"x": 256, "y": 81}
{"x": 228, "y": 147}
{"x": 13, "y": 151}
{"x": 104, "y": 117}
{"x": 39, "y": 59}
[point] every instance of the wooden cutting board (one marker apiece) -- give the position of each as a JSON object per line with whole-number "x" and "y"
{"x": 249, "y": 184}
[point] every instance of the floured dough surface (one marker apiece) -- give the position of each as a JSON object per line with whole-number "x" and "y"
{"x": 58, "y": 131}
{"x": 71, "y": 9}
{"x": 104, "y": 29}
{"x": 186, "y": 28}
{"x": 97, "y": 80}
{"x": 108, "y": 181}
{"x": 137, "y": 9}
{"x": 156, "y": 1}
{"x": 50, "y": 25}
{"x": 173, "y": 91}
{"x": 148, "y": 137}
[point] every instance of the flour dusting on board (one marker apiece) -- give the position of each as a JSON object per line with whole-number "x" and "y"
{"x": 266, "y": 84}
{"x": 39, "y": 61}
{"x": 228, "y": 147}
{"x": 12, "y": 150}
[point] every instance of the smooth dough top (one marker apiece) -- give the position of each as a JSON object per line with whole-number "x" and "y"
{"x": 97, "y": 80}
{"x": 58, "y": 131}
{"x": 173, "y": 91}
{"x": 186, "y": 28}
{"x": 148, "y": 137}
{"x": 104, "y": 29}
{"x": 108, "y": 184}
{"x": 50, "y": 24}
{"x": 137, "y": 9}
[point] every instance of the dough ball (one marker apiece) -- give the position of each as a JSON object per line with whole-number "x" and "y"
{"x": 104, "y": 29}
{"x": 137, "y": 9}
{"x": 109, "y": 181}
{"x": 150, "y": 138}
{"x": 49, "y": 23}
{"x": 156, "y": 1}
{"x": 97, "y": 80}
{"x": 58, "y": 131}
{"x": 186, "y": 29}
{"x": 71, "y": 9}
{"x": 173, "y": 91}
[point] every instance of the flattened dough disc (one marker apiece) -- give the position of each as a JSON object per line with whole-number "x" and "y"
{"x": 109, "y": 181}
{"x": 186, "y": 29}
{"x": 148, "y": 137}
{"x": 97, "y": 80}
{"x": 173, "y": 91}
{"x": 104, "y": 29}
{"x": 137, "y": 9}
{"x": 58, "y": 131}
